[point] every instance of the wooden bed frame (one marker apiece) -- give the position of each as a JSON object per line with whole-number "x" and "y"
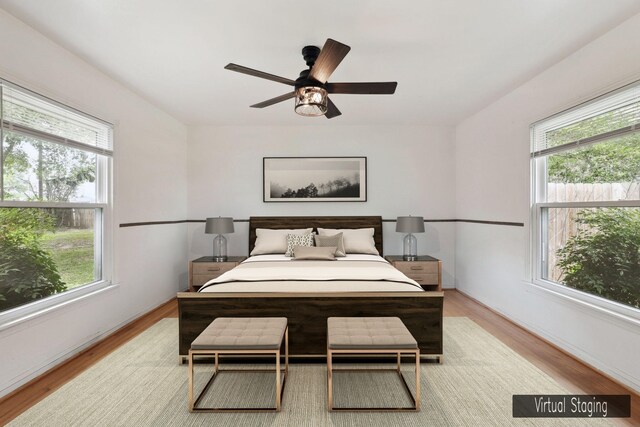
{"x": 307, "y": 313}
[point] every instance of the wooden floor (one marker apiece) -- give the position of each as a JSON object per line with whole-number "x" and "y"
{"x": 31, "y": 393}
{"x": 575, "y": 376}
{"x": 568, "y": 372}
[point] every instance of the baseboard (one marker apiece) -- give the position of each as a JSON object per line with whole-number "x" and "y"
{"x": 561, "y": 346}
{"x": 24, "y": 382}
{"x": 582, "y": 357}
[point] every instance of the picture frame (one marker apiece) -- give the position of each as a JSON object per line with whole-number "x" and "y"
{"x": 314, "y": 179}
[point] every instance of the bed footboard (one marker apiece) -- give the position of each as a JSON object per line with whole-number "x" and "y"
{"x": 307, "y": 314}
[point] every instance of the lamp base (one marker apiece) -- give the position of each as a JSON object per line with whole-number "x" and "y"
{"x": 410, "y": 248}
{"x": 220, "y": 248}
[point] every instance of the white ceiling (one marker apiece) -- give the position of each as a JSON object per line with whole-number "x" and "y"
{"x": 450, "y": 58}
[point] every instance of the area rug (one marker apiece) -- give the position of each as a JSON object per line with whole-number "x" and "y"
{"x": 142, "y": 384}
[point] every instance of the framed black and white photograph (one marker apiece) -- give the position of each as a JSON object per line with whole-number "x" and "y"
{"x": 315, "y": 179}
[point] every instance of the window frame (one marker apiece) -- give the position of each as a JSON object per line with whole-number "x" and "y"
{"x": 539, "y": 206}
{"x": 103, "y": 207}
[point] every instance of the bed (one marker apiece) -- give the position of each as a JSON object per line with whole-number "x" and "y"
{"x": 308, "y": 292}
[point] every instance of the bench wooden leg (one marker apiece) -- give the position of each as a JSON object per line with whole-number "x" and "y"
{"x": 329, "y": 381}
{"x": 418, "y": 380}
{"x": 190, "y": 381}
{"x": 278, "y": 381}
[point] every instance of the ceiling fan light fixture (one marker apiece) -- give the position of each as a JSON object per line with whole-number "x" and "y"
{"x": 312, "y": 87}
{"x": 311, "y": 101}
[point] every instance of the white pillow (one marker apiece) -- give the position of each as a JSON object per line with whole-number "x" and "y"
{"x": 270, "y": 241}
{"x": 356, "y": 240}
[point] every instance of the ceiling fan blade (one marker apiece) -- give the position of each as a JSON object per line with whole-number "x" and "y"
{"x": 274, "y": 100}
{"x": 378, "y": 88}
{"x": 331, "y": 55}
{"x": 261, "y": 74}
{"x": 332, "y": 110}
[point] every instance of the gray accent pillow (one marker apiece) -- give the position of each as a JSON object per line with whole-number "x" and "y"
{"x": 324, "y": 253}
{"x": 336, "y": 240}
{"x": 294, "y": 240}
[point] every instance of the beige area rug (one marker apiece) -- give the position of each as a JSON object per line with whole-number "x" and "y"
{"x": 141, "y": 384}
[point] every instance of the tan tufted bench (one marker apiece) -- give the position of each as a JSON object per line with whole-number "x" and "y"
{"x": 230, "y": 335}
{"x": 371, "y": 335}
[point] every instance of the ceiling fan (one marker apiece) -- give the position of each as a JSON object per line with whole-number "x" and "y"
{"x": 311, "y": 88}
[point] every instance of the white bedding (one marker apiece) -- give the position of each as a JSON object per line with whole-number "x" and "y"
{"x": 277, "y": 273}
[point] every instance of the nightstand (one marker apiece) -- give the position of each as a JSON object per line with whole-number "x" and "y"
{"x": 203, "y": 269}
{"x": 426, "y": 270}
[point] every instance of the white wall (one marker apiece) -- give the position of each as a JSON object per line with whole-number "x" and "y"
{"x": 492, "y": 183}
{"x": 409, "y": 172}
{"x": 150, "y": 185}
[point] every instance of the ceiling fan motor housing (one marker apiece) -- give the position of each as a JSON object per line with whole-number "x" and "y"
{"x": 304, "y": 80}
{"x": 310, "y": 54}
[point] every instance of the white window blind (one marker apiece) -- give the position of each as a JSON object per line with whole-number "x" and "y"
{"x": 33, "y": 115}
{"x": 609, "y": 116}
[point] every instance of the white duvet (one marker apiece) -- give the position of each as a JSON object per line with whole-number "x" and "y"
{"x": 277, "y": 273}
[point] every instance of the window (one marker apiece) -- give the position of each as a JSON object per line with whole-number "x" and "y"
{"x": 586, "y": 200}
{"x": 55, "y": 167}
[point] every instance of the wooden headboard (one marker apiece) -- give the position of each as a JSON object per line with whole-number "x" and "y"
{"x": 279, "y": 222}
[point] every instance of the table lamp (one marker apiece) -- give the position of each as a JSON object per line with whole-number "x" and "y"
{"x": 219, "y": 226}
{"x": 410, "y": 225}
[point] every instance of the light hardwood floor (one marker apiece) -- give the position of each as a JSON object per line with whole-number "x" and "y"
{"x": 567, "y": 371}
{"x": 574, "y": 375}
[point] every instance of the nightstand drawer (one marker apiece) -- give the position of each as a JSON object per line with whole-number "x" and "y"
{"x": 213, "y": 269}
{"x": 424, "y": 279}
{"x": 416, "y": 267}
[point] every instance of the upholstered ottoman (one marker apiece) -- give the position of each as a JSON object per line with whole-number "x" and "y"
{"x": 241, "y": 336}
{"x": 371, "y": 335}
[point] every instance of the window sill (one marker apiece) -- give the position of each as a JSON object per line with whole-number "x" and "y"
{"x": 590, "y": 303}
{"x": 22, "y": 314}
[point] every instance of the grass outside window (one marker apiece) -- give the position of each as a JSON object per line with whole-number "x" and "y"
{"x": 72, "y": 251}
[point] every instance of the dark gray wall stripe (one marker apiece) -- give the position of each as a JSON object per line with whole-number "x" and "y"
{"x": 477, "y": 221}
{"x": 472, "y": 221}
{"x": 138, "y": 224}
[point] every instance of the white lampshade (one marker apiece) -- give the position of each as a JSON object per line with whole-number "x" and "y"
{"x": 219, "y": 225}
